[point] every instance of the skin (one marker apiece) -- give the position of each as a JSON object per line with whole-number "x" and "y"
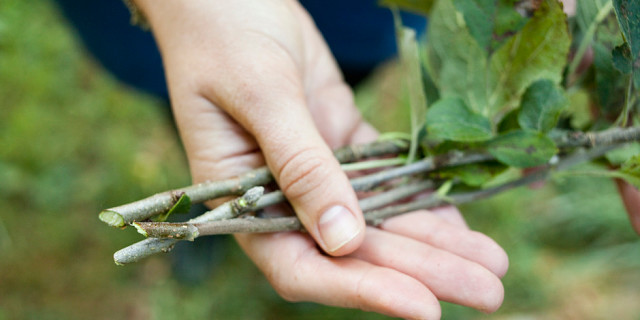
{"x": 253, "y": 82}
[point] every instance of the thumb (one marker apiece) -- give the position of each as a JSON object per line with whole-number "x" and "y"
{"x": 302, "y": 163}
{"x": 319, "y": 191}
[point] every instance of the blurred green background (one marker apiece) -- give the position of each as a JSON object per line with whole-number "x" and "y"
{"x": 73, "y": 141}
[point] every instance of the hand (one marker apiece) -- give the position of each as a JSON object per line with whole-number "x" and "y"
{"x": 253, "y": 82}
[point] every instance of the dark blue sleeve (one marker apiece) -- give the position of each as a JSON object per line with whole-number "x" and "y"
{"x": 126, "y": 51}
{"x": 359, "y": 33}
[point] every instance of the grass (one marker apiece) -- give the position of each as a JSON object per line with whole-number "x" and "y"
{"x": 74, "y": 141}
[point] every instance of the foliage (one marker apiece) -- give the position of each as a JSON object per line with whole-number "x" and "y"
{"x": 626, "y": 57}
{"x": 541, "y": 106}
{"x": 451, "y": 119}
{"x": 181, "y": 206}
{"x": 410, "y": 61}
{"x": 522, "y": 148}
{"x": 495, "y": 61}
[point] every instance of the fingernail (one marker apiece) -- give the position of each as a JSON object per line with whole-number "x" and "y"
{"x": 337, "y": 227}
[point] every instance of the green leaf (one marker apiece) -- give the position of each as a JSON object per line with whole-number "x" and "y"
{"x": 473, "y": 175}
{"x": 502, "y": 177}
{"x": 454, "y": 59}
{"x": 621, "y": 155}
{"x": 522, "y": 148}
{"x": 628, "y": 56}
{"x": 541, "y": 106}
{"x": 630, "y": 171}
{"x": 587, "y": 11}
{"x": 630, "y": 178}
{"x": 610, "y": 84}
{"x": 578, "y": 110}
{"x": 183, "y": 205}
{"x": 590, "y": 14}
{"x": 622, "y": 60}
{"x": 430, "y": 88}
{"x": 422, "y": 7}
{"x": 490, "y": 22}
{"x": 479, "y": 17}
{"x": 628, "y": 14}
{"x": 411, "y": 64}
{"x": 444, "y": 189}
{"x": 632, "y": 166}
{"x": 508, "y": 21}
{"x": 538, "y": 51}
{"x": 451, "y": 119}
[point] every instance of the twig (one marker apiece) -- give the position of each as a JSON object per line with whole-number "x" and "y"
{"x": 152, "y": 246}
{"x": 143, "y": 249}
{"x": 201, "y": 227}
{"x": 423, "y": 166}
{"x": 374, "y": 217}
{"x": 395, "y": 194}
{"x": 435, "y": 200}
{"x": 227, "y": 210}
{"x": 373, "y": 164}
{"x": 611, "y": 136}
{"x": 250, "y": 225}
{"x": 371, "y": 150}
{"x": 167, "y": 234}
{"x": 160, "y": 203}
{"x": 192, "y": 229}
{"x": 146, "y": 208}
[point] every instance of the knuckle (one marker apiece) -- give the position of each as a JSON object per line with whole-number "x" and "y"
{"x": 303, "y": 172}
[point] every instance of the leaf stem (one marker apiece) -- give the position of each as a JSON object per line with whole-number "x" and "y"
{"x": 160, "y": 203}
{"x": 587, "y": 39}
{"x": 373, "y": 164}
{"x": 624, "y": 117}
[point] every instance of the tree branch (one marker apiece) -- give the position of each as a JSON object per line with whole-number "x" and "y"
{"x": 163, "y": 235}
{"x": 373, "y": 217}
{"x": 167, "y": 234}
{"x": 160, "y": 203}
{"x": 184, "y": 231}
{"x": 592, "y": 139}
{"x": 369, "y": 205}
{"x": 436, "y": 200}
{"x": 152, "y": 246}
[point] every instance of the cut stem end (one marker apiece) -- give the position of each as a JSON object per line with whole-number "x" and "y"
{"x": 112, "y": 218}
